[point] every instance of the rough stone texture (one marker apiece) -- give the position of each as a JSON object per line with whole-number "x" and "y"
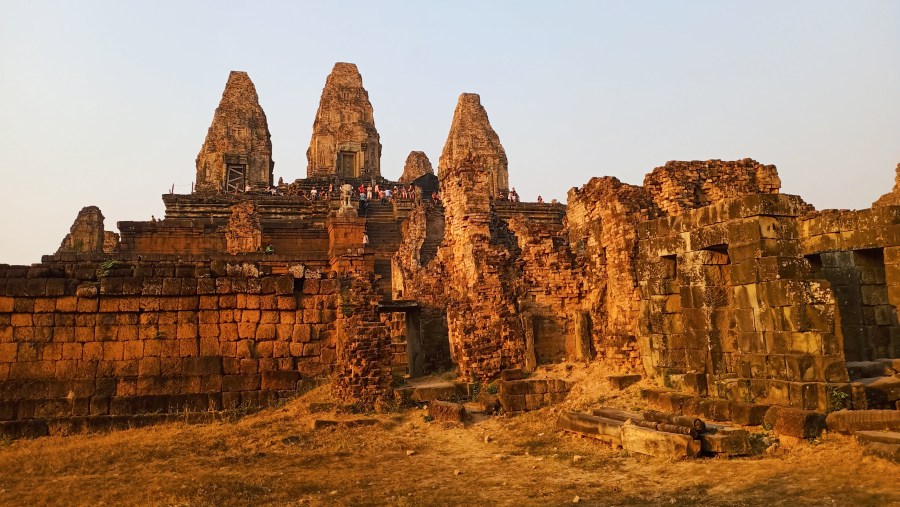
{"x": 478, "y": 278}
{"x": 447, "y": 411}
{"x": 86, "y": 234}
{"x": 238, "y": 137}
{"x": 243, "y": 234}
{"x": 472, "y": 141}
{"x": 344, "y": 141}
{"x": 891, "y": 198}
{"x": 417, "y": 164}
{"x": 681, "y": 186}
{"x": 364, "y": 354}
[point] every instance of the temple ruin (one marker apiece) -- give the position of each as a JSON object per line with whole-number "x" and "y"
{"x": 705, "y": 279}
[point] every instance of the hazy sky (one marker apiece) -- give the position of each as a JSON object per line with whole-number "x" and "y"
{"x": 108, "y": 103}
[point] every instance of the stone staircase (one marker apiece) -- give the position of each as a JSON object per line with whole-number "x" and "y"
{"x": 875, "y": 384}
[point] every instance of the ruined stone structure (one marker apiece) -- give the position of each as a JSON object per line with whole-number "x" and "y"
{"x": 704, "y": 279}
{"x": 237, "y": 152}
{"x": 472, "y": 137}
{"x": 344, "y": 142}
{"x": 417, "y": 165}
{"x": 86, "y": 234}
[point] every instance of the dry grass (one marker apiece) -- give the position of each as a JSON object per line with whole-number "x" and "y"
{"x": 276, "y": 458}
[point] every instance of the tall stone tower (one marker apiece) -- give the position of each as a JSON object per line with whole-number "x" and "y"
{"x": 473, "y": 139}
{"x": 344, "y": 140}
{"x": 238, "y": 147}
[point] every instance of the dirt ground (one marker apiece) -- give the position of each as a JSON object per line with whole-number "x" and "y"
{"x": 275, "y": 457}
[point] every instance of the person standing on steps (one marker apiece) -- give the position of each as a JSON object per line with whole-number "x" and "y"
{"x": 365, "y": 240}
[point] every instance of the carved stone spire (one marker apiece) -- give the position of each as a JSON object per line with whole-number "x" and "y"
{"x": 238, "y": 148}
{"x": 473, "y": 140}
{"x": 417, "y": 164}
{"x": 344, "y": 141}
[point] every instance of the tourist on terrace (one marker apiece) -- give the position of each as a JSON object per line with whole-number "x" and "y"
{"x": 540, "y": 200}
{"x": 314, "y": 193}
{"x": 270, "y": 249}
{"x": 365, "y": 240}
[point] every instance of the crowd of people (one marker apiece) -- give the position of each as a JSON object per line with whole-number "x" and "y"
{"x": 370, "y": 192}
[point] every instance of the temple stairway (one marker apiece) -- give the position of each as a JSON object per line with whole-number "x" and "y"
{"x": 384, "y": 239}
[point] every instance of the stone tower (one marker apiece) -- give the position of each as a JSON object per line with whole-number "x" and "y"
{"x": 417, "y": 164}
{"x": 344, "y": 140}
{"x": 472, "y": 137}
{"x": 238, "y": 147}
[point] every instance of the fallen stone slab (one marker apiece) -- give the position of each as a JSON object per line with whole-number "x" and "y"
{"x": 608, "y": 430}
{"x": 725, "y": 440}
{"x": 884, "y": 444}
{"x": 795, "y": 422}
{"x": 879, "y": 391}
{"x": 622, "y": 381}
{"x": 849, "y": 421}
{"x": 446, "y": 411}
{"x": 658, "y": 443}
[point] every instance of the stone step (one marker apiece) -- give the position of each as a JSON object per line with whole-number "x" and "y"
{"x": 880, "y": 391}
{"x": 866, "y": 369}
{"x": 884, "y": 444}
{"x": 892, "y": 363}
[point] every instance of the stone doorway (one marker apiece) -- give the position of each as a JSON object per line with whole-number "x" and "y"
{"x": 235, "y": 177}
{"x": 427, "y": 347}
{"x": 347, "y": 164}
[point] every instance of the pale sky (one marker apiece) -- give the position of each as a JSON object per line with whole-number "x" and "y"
{"x": 108, "y": 103}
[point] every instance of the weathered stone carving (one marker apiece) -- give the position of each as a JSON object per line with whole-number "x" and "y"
{"x": 243, "y": 234}
{"x": 344, "y": 141}
{"x": 237, "y": 152}
{"x": 417, "y": 164}
{"x": 86, "y": 234}
{"x": 472, "y": 139}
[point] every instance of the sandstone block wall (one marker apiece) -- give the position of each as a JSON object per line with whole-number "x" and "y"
{"x": 731, "y": 309}
{"x": 102, "y": 339}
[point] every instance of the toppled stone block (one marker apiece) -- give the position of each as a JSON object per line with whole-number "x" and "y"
{"x": 531, "y": 394}
{"x": 658, "y": 443}
{"x": 795, "y": 422}
{"x": 446, "y": 411}
{"x": 603, "y": 428}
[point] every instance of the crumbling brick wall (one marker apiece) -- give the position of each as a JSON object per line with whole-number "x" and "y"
{"x": 602, "y": 219}
{"x": 363, "y": 345}
{"x": 680, "y": 186}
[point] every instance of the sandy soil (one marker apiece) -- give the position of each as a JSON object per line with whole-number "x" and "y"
{"x": 275, "y": 457}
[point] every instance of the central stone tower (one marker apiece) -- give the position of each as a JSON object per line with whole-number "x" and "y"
{"x": 344, "y": 141}
{"x": 472, "y": 139}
